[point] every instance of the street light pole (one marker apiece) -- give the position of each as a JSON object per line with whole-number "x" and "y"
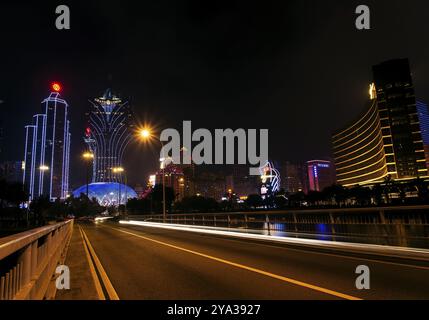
{"x": 87, "y": 156}
{"x": 120, "y": 198}
{"x": 146, "y": 134}
{"x": 119, "y": 171}
{"x": 87, "y": 179}
{"x": 126, "y": 193}
{"x": 164, "y": 213}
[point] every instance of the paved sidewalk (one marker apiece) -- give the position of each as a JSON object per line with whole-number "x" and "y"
{"x": 82, "y": 285}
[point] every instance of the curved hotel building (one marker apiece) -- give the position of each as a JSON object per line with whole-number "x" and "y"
{"x": 386, "y": 140}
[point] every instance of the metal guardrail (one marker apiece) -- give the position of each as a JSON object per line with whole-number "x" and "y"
{"x": 403, "y": 226}
{"x": 30, "y": 259}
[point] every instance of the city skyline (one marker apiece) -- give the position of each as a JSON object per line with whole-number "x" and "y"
{"x": 107, "y": 107}
{"x": 214, "y": 159}
{"x": 164, "y": 67}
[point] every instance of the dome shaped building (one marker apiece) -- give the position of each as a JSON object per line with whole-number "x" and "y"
{"x": 107, "y": 193}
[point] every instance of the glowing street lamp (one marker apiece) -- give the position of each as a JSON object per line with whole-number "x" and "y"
{"x": 119, "y": 170}
{"x": 146, "y": 134}
{"x": 87, "y": 156}
{"x": 43, "y": 168}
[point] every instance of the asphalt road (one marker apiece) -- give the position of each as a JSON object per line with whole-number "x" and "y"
{"x": 150, "y": 263}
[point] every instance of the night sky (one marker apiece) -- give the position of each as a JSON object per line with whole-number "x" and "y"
{"x": 299, "y": 68}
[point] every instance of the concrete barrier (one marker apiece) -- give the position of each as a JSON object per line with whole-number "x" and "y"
{"x": 30, "y": 259}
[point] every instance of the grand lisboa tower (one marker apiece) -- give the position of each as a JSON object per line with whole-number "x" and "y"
{"x": 107, "y": 135}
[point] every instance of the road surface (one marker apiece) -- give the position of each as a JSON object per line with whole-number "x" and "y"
{"x": 151, "y": 263}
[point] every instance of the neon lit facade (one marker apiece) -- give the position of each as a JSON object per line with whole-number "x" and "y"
{"x": 422, "y": 109}
{"x": 386, "y": 140}
{"x": 107, "y": 193}
{"x": 107, "y": 135}
{"x": 320, "y": 175}
{"x": 47, "y": 151}
{"x": 270, "y": 178}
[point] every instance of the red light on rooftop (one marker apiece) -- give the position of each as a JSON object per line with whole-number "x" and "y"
{"x": 56, "y": 87}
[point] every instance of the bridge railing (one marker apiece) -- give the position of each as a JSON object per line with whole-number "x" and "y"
{"x": 28, "y": 261}
{"x": 404, "y": 226}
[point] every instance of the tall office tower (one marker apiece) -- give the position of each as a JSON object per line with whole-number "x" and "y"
{"x": 107, "y": 135}
{"x": 423, "y": 111}
{"x": 47, "y": 150}
{"x": 239, "y": 180}
{"x": 294, "y": 177}
{"x": 11, "y": 171}
{"x": 386, "y": 140}
{"x": 209, "y": 182}
{"x": 29, "y": 161}
{"x": 321, "y": 175}
{"x": 174, "y": 179}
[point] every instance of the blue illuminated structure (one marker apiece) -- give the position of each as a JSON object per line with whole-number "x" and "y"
{"x": 423, "y": 112}
{"x": 270, "y": 178}
{"x": 107, "y": 135}
{"x": 107, "y": 193}
{"x": 47, "y": 150}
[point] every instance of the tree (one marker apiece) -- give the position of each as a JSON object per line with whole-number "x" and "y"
{"x": 138, "y": 206}
{"x": 388, "y": 188}
{"x": 377, "y": 194}
{"x": 15, "y": 194}
{"x": 197, "y": 204}
{"x": 362, "y": 195}
{"x": 422, "y": 189}
{"x": 280, "y": 201}
{"x": 254, "y": 201}
{"x": 40, "y": 208}
{"x": 335, "y": 195}
{"x": 12, "y": 195}
{"x": 157, "y": 197}
{"x": 3, "y": 193}
{"x": 83, "y": 207}
{"x": 314, "y": 197}
{"x": 296, "y": 199}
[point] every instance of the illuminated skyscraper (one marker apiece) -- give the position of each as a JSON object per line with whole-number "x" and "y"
{"x": 423, "y": 111}
{"x": 387, "y": 140}
{"x": 107, "y": 135}
{"x": 321, "y": 175}
{"x": 47, "y": 150}
{"x": 294, "y": 177}
{"x": 174, "y": 178}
